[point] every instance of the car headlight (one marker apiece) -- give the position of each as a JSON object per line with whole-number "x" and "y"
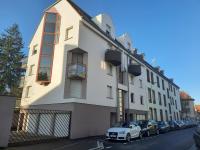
{"x": 122, "y": 132}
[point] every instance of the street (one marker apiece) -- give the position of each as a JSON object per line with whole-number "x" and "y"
{"x": 175, "y": 140}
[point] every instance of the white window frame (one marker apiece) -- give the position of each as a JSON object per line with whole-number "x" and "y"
{"x": 68, "y": 34}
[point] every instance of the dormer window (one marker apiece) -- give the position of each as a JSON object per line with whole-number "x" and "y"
{"x": 108, "y": 29}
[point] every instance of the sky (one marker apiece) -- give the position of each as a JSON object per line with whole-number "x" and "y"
{"x": 167, "y": 31}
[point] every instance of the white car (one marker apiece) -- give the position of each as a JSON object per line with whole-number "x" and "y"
{"x": 124, "y": 131}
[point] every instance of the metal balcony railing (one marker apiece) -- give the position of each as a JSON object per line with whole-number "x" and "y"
{"x": 77, "y": 71}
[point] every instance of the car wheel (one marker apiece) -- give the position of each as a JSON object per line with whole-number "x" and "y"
{"x": 148, "y": 133}
{"x": 128, "y": 137}
{"x": 140, "y": 135}
{"x": 157, "y": 132}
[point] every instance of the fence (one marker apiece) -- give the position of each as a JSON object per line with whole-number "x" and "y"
{"x": 33, "y": 125}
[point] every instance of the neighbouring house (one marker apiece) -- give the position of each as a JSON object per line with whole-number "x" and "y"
{"x": 77, "y": 63}
{"x": 187, "y": 104}
{"x": 197, "y": 112}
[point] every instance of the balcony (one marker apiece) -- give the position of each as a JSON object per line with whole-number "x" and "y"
{"x": 77, "y": 71}
{"x": 134, "y": 69}
{"x": 113, "y": 57}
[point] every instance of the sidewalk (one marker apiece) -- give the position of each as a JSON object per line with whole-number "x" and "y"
{"x": 81, "y": 144}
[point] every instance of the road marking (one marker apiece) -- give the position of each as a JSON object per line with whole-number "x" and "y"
{"x": 124, "y": 143}
{"x": 108, "y": 147}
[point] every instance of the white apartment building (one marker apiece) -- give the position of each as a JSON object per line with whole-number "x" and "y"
{"x": 77, "y": 63}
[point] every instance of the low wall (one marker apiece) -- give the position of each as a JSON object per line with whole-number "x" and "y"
{"x": 7, "y": 104}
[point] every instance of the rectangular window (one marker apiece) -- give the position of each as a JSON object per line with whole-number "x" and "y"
{"x": 152, "y": 78}
{"x": 166, "y": 115}
{"x": 109, "y": 69}
{"x": 31, "y": 71}
{"x": 148, "y": 76}
{"x": 158, "y": 81}
{"x": 167, "y": 93}
{"x": 151, "y": 113}
{"x": 109, "y": 91}
{"x": 154, "y": 96}
{"x": 34, "y": 51}
{"x": 161, "y": 115}
{"x": 170, "y": 111}
{"x": 163, "y": 85}
{"x": 159, "y": 98}
{"x": 69, "y": 33}
{"x": 165, "y": 102}
{"x": 141, "y": 100}
{"x": 149, "y": 95}
{"x": 132, "y": 79}
{"x": 28, "y": 91}
{"x": 132, "y": 98}
{"x": 140, "y": 83}
{"x": 176, "y": 104}
{"x": 108, "y": 29}
{"x": 174, "y": 92}
{"x": 155, "y": 114}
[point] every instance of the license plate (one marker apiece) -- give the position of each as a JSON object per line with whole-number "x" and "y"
{"x": 112, "y": 136}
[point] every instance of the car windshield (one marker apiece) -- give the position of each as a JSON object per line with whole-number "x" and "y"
{"x": 122, "y": 125}
{"x": 142, "y": 124}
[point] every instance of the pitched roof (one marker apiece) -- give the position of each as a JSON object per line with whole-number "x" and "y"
{"x": 88, "y": 18}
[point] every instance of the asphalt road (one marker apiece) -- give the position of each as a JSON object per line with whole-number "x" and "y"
{"x": 175, "y": 140}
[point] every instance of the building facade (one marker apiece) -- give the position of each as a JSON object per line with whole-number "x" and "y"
{"x": 76, "y": 63}
{"x": 187, "y": 104}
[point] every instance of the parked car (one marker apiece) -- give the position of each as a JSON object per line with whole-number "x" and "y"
{"x": 148, "y": 127}
{"x": 181, "y": 124}
{"x": 173, "y": 125}
{"x": 196, "y": 137}
{"x": 124, "y": 131}
{"x": 163, "y": 126}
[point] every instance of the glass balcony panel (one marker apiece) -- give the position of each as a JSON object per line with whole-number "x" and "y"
{"x": 77, "y": 71}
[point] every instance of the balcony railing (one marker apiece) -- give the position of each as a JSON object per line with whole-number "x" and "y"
{"x": 77, "y": 71}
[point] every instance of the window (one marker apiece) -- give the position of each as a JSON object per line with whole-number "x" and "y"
{"x": 140, "y": 83}
{"x": 32, "y": 67}
{"x": 164, "y": 98}
{"x": 108, "y": 29}
{"x": 170, "y": 111}
{"x": 159, "y": 98}
{"x": 132, "y": 79}
{"x": 176, "y": 104}
{"x": 77, "y": 58}
{"x": 132, "y": 98}
{"x": 50, "y": 37}
{"x": 109, "y": 69}
{"x": 174, "y": 92}
{"x": 109, "y": 91}
{"x": 34, "y": 51}
{"x": 158, "y": 81}
{"x": 163, "y": 85}
{"x": 148, "y": 76}
{"x": 149, "y": 95}
{"x": 152, "y": 78}
{"x": 154, "y": 96}
{"x": 167, "y": 93}
{"x": 166, "y": 115}
{"x": 28, "y": 91}
{"x": 151, "y": 113}
{"x": 69, "y": 33}
{"x": 155, "y": 114}
{"x": 141, "y": 100}
{"x": 161, "y": 115}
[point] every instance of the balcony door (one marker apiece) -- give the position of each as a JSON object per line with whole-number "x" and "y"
{"x": 77, "y": 58}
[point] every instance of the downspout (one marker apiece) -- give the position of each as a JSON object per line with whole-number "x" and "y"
{"x": 128, "y": 117}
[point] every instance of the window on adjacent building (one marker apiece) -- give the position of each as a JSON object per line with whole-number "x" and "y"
{"x": 31, "y": 70}
{"x": 176, "y": 104}
{"x": 174, "y": 92}
{"x": 170, "y": 111}
{"x": 161, "y": 115}
{"x": 108, "y": 29}
{"x": 163, "y": 85}
{"x": 155, "y": 114}
{"x": 140, "y": 83}
{"x": 152, "y": 78}
{"x": 148, "y": 76}
{"x": 165, "y": 102}
{"x": 166, "y": 115}
{"x": 159, "y": 98}
{"x": 34, "y": 51}
{"x": 132, "y": 98}
{"x": 158, "y": 81}
{"x": 132, "y": 79}
{"x": 151, "y": 113}
{"x": 28, "y": 91}
{"x": 69, "y": 33}
{"x": 149, "y": 95}
{"x": 154, "y": 96}
{"x": 141, "y": 100}
{"x": 109, "y": 91}
{"x": 109, "y": 69}
{"x": 167, "y": 93}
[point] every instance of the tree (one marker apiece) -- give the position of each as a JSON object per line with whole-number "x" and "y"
{"x": 11, "y": 54}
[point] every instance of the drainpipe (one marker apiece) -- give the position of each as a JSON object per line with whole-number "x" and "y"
{"x": 117, "y": 96}
{"x": 128, "y": 92}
